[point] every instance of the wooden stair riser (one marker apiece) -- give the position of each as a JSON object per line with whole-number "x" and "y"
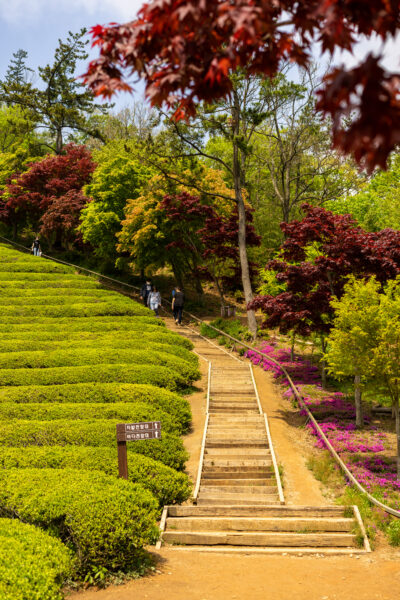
{"x": 309, "y": 512}
{"x": 249, "y": 454}
{"x": 235, "y": 464}
{"x": 280, "y": 524}
{"x": 214, "y": 443}
{"x": 239, "y": 473}
{"x": 240, "y": 489}
{"x": 232, "y": 481}
{"x": 236, "y": 500}
{"x": 317, "y": 540}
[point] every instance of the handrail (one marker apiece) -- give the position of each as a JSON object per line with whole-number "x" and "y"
{"x": 201, "y": 461}
{"x": 299, "y": 397}
{"x": 274, "y": 461}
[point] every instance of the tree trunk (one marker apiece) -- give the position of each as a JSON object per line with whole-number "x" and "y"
{"x": 292, "y": 346}
{"x": 237, "y": 179}
{"x": 15, "y": 231}
{"x": 357, "y": 401}
{"x": 397, "y": 414}
{"x": 323, "y": 363}
{"x": 199, "y": 287}
{"x": 59, "y": 141}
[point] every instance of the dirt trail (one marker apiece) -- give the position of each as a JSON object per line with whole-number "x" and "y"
{"x": 184, "y": 573}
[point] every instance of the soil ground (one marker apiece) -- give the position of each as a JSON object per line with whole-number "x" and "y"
{"x": 183, "y": 573}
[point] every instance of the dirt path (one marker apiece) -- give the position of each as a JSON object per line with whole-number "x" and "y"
{"x": 183, "y": 573}
{"x": 192, "y": 575}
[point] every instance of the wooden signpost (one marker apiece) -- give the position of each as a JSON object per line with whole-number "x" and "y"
{"x": 133, "y": 432}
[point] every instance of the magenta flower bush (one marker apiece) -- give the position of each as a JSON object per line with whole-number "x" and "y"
{"x": 366, "y": 453}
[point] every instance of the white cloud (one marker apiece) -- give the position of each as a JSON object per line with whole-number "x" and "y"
{"x": 22, "y": 11}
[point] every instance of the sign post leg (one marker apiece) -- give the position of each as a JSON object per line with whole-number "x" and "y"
{"x": 122, "y": 460}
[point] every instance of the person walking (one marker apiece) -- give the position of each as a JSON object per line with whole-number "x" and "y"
{"x": 154, "y": 300}
{"x": 178, "y": 301}
{"x": 36, "y": 249}
{"x": 145, "y": 290}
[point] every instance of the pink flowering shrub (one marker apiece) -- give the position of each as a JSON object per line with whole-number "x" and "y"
{"x": 360, "y": 450}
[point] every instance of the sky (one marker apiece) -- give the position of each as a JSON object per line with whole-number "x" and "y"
{"x": 36, "y": 26}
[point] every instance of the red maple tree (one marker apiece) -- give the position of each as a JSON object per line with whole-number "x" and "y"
{"x": 48, "y": 196}
{"x": 186, "y": 50}
{"x": 340, "y": 248}
{"x": 210, "y": 237}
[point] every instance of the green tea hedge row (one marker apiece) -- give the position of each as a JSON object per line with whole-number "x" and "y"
{"x": 33, "y": 564}
{"x": 56, "y": 300}
{"x": 76, "y": 310}
{"x": 35, "y": 266}
{"x": 27, "y": 292}
{"x": 75, "y": 411}
{"x": 168, "y": 401}
{"x": 48, "y": 341}
{"x": 42, "y": 371}
{"x": 100, "y": 323}
{"x": 36, "y": 281}
{"x": 90, "y": 353}
{"x": 168, "y": 450}
{"x": 105, "y": 519}
{"x": 154, "y": 374}
{"x": 166, "y": 484}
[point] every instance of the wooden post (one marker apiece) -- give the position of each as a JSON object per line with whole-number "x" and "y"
{"x": 122, "y": 460}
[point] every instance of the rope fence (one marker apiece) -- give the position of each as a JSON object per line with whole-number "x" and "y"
{"x": 296, "y": 392}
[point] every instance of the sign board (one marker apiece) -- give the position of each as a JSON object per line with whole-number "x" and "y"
{"x": 130, "y": 432}
{"x": 133, "y": 432}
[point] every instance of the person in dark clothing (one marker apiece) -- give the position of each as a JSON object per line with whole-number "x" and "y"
{"x": 146, "y": 288}
{"x": 178, "y": 301}
{"x": 36, "y": 247}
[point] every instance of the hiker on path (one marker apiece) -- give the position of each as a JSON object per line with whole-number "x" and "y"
{"x": 36, "y": 249}
{"x": 146, "y": 288}
{"x": 178, "y": 301}
{"x": 154, "y": 300}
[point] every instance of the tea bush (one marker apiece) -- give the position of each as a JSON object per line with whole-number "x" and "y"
{"x": 168, "y": 401}
{"x": 166, "y": 484}
{"x": 105, "y": 519}
{"x": 93, "y": 373}
{"x": 33, "y": 564}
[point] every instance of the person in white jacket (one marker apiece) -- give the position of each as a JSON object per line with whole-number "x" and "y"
{"x": 154, "y": 300}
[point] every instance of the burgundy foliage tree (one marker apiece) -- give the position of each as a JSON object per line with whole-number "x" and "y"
{"x": 48, "y": 195}
{"x": 208, "y": 237}
{"x": 186, "y": 50}
{"x": 340, "y": 248}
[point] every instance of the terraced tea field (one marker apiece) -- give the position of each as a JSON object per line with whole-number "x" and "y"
{"x": 75, "y": 359}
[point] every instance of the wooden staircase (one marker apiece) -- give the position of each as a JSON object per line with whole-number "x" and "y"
{"x": 238, "y": 501}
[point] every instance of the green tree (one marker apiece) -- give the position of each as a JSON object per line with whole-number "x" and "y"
{"x": 19, "y": 144}
{"x": 18, "y": 74}
{"x": 377, "y": 205}
{"x": 119, "y": 177}
{"x": 386, "y": 361}
{"x": 60, "y": 105}
{"x": 353, "y": 339}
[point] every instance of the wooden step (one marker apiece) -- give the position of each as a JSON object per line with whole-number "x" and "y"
{"x": 235, "y": 463}
{"x": 250, "y": 538}
{"x": 214, "y": 501}
{"x": 283, "y": 524}
{"x": 233, "y": 481}
{"x": 257, "y": 511}
{"x": 236, "y": 473}
{"x": 242, "y": 443}
{"x": 239, "y": 489}
{"x": 250, "y": 453}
